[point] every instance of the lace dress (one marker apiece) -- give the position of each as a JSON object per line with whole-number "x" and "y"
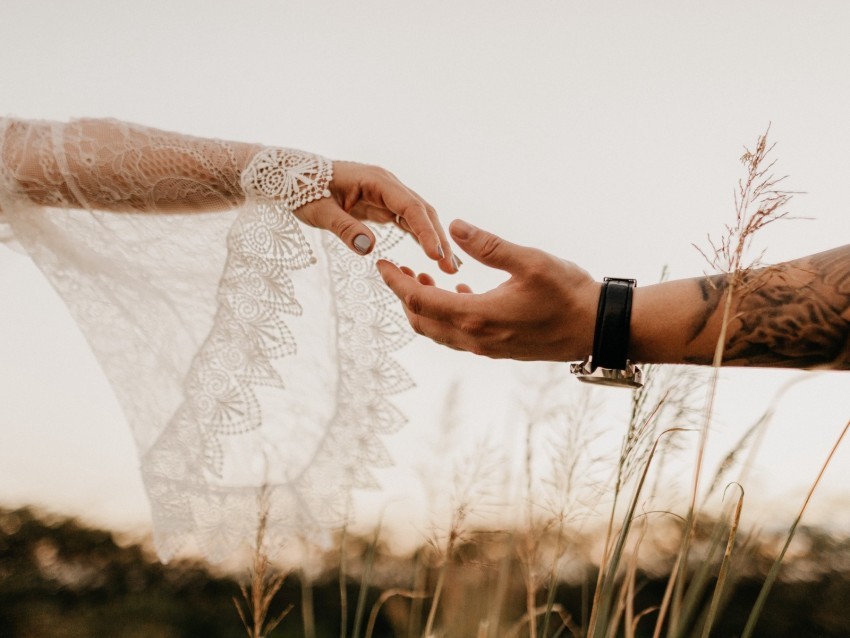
{"x": 250, "y": 354}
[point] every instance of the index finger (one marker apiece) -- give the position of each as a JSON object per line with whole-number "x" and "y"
{"x": 426, "y": 301}
{"x": 401, "y": 201}
{"x": 450, "y": 264}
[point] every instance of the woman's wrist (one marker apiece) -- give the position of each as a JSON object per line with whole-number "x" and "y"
{"x": 290, "y": 176}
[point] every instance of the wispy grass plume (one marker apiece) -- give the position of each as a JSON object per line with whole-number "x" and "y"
{"x": 264, "y": 582}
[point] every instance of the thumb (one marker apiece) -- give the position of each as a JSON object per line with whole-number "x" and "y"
{"x": 491, "y": 250}
{"x": 326, "y": 214}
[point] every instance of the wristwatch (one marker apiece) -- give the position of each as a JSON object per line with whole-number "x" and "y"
{"x": 608, "y": 364}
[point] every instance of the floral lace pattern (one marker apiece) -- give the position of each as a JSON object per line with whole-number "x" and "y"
{"x": 245, "y": 361}
{"x": 289, "y": 176}
{"x": 189, "y": 500}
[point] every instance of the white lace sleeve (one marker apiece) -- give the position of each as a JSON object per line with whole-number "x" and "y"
{"x": 246, "y": 350}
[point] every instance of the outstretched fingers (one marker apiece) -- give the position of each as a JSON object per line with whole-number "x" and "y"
{"x": 413, "y": 213}
{"x": 421, "y": 299}
{"x": 427, "y": 280}
{"x": 449, "y": 263}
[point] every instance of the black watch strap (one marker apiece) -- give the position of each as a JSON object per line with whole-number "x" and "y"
{"x": 613, "y": 316}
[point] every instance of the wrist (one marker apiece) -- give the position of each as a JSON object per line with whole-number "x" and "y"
{"x": 573, "y": 320}
{"x": 660, "y": 324}
{"x": 585, "y": 334}
{"x": 609, "y": 362}
{"x": 289, "y": 176}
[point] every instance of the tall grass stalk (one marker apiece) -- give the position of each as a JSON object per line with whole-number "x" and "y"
{"x": 633, "y": 452}
{"x": 566, "y": 621}
{"x": 343, "y": 585}
{"x": 365, "y": 578}
{"x": 455, "y": 531}
{"x": 724, "y": 567}
{"x": 680, "y": 576}
{"x": 420, "y": 577}
{"x": 595, "y": 605}
{"x": 758, "y": 202}
{"x": 700, "y": 579}
{"x": 263, "y": 583}
{"x": 384, "y": 597}
{"x": 553, "y": 579}
{"x": 538, "y": 411}
{"x": 626, "y": 604}
{"x": 308, "y": 616}
{"x": 530, "y": 581}
{"x": 472, "y": 479}
{"x": 606, "y": 593}
{"x": 774, "y": 569}
{"x": 622, "y": 473}
{"x": 502, "y": 582}
{"x": 438, "y": 591}
{"x": 749, "y": 442}
{"x": 569, "y": 443}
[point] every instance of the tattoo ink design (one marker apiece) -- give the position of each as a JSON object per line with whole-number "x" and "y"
{"x": 712, "y": 290}
{"x": 797, "y": 315}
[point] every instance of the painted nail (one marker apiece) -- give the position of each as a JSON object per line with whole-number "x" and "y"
{"x": 362, "y": 244}
{"x": 440, "y": 251}
{"x": 457, "y": 262}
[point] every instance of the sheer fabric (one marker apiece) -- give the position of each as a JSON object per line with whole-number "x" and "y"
{"x": 249, "y": 353}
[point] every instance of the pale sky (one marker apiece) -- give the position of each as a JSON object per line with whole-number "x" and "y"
{"x": 607, "y": 133}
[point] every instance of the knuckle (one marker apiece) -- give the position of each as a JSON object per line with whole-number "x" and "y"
{"x": 413, "y": 302}
{"x": 379, "y": 175}
{"x": 473, "y": 325}
{"x": 537, "y": 266}
{"x": 369, "y": 183}
{"x": 342, "y": 226}
{"x": 415, "y": 210}
{"x": 490, "y": 245}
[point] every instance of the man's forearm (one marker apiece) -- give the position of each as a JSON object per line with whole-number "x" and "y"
{"x": 794, "y": 315}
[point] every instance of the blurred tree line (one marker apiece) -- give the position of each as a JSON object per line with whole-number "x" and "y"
{"x": 60, "y": 578}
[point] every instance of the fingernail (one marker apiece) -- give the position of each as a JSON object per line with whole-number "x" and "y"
{"x": 457, "y": 262}
{"x": 440, "y": 251}
{"x": 461, "y": 229}
{"x": 362, "y": 244}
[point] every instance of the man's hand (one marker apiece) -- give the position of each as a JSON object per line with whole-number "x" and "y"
{"x": 545, "y": 311}
{"x": 367, "y": 193}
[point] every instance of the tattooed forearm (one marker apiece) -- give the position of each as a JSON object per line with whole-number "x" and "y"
{"x": 795, "y": 315}
{"x": 711, "y": 289}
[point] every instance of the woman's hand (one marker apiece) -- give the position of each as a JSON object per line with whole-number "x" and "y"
{"x": 360, "y": 192}
{"x": 545, "y": 311}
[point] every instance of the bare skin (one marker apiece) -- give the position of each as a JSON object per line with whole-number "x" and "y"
{"x": 794, "y": 315}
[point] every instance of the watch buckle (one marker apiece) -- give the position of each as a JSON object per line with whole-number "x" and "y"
{"x": 630, "y": 377}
